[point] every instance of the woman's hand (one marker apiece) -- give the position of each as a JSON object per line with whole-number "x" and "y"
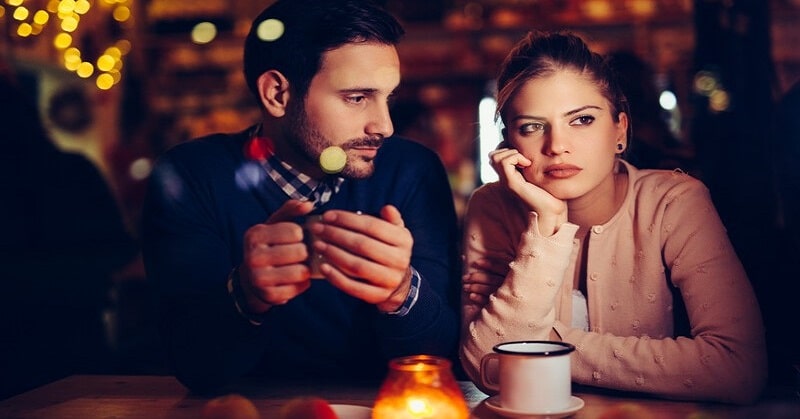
{"x": 508, "y": 163}
{"x": 483, "y": 278}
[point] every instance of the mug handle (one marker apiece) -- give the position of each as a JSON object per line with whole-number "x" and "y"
{"x": 485, "y": 380}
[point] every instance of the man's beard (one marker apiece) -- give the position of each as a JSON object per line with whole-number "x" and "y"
{"x": 309, "y": 143}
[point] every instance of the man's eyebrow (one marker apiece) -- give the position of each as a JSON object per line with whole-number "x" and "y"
{"x": 359, "y": 90}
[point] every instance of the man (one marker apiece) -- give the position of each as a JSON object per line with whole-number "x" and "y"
{"x": 225, "y": 215}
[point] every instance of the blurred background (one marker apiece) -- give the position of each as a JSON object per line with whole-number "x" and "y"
{"x": 120, "y": 81}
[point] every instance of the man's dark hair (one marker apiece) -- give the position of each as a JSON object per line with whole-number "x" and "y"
{"x": 311, "y": 28}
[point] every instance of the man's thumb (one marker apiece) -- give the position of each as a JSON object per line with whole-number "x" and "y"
{"x": 291, "y": 209}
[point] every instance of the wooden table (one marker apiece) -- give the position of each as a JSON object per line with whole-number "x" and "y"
{"x": 152, "y": 397}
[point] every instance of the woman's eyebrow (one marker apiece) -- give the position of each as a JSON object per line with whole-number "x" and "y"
{"x": 581, "y": 109}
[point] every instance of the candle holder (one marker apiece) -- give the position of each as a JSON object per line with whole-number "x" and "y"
{"x": 417, "y": 387}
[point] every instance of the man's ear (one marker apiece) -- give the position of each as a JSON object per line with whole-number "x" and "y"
{"x": 273, "y": 91}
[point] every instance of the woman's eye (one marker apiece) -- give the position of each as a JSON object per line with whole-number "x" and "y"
{"x": 582, "y": 120}
{"x": 531, "y": 127}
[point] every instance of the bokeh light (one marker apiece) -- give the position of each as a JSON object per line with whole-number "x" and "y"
{"x": 41, "y": 17}
{"x": 140, "y": 168}
{"x": 667, "y": 100}
{"x": 21, "y": 13}
{"x": 104, "y": 81}
{"x": 203, "y": 33}
{"x": 270, "y": 30}
{"x": 121, "y": 13}
{"x": 719, "y": 101}
{"x": 85, "y": 70}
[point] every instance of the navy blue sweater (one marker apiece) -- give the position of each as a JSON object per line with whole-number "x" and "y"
{"x": 205, "y": 194}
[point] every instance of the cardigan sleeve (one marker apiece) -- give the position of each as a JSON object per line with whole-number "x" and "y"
{"x": 724, "y": 356}
{"x": 523, "y": 307}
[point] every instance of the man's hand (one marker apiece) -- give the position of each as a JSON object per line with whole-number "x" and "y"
{"x": 365, "y": 256}
{"x": 273, "y": 269}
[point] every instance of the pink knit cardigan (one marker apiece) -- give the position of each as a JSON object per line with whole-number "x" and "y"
{"x": 666, "y": 234}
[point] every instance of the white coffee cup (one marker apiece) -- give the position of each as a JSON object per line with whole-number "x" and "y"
{"x": 533, "y": 376}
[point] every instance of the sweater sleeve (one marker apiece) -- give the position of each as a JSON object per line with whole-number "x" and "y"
{"x": 724, "y": 356}
{"x": 187, "y": 257}
{"x": 431, "y": 326}
{"x": 524, "y": 305}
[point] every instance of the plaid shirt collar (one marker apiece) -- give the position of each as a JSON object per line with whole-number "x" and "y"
{"x": 300, "y": 186}
{"x": 295, "y": 184}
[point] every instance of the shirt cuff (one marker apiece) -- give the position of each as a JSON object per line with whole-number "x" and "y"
{"x": 413, "y": 294}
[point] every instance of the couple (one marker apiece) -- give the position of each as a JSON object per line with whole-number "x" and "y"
{"x": 572, "y": 243}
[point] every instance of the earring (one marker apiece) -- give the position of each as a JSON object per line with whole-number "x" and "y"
{"x": 620, "y": 147}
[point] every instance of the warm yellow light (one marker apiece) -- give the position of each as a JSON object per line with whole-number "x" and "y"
{"x": 2, "y": 11}
{"x": 85, "y": 70}
{"x": 113, "y": 52}
{"x": 41, "y": 17}
{"x": 21, "y": 13}
{"x": 104, "y": 81}
{"x": 419, "y": 408}
{"x": 52, "y": 6}
{"x": 62, "y": 40}
{"x": 72, "y": 58}
{"x": 124, "y": 46}
{"x": 121, "y": 13}
{"x": 14, "y": 3}
{"x": 116, "y": 75}
{"x": 270, "y": 30}
{"x": 66, "y": 6}
{"x": 36, "y": 29}
{"x": 719, "y": 101}
{"x": 597, "y": 9}
{"x": 203, "y": 33}
{"x": 705, "y": 82}
{"x": 420, "y": 387}
{"x": 643, "y": 8}
{"x": 72, "y": 52}
{"x": 69, "y": 24}
{"x": 105, "y": 62}
{"x": 82, "y": 6}
{"x": 24, "y": 30}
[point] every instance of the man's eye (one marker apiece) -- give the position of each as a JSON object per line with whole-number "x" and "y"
{"x": 583, "y": 120}
{"x": 356, "y": 99}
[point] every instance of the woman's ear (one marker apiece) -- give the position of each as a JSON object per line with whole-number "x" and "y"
{"x": 273, "y": 91}
{"x": 622, "y": 130}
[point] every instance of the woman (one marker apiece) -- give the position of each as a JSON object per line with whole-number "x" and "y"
{"x": 570, "y": 218}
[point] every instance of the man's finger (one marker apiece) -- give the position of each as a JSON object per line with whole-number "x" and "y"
{"x": 391, "y": 214}
{"x": 291, "y": 209}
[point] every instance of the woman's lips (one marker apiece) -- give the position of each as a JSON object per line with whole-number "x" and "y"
{"x": 561, "y": 171}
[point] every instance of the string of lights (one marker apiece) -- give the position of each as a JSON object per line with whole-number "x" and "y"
{"x": 67, "y": 21}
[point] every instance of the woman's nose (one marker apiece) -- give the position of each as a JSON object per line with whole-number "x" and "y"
{"x": 557, "y": 142}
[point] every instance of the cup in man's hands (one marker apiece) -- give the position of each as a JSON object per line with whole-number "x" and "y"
{"x": 531, "y": 376}
{"x": 314, "y": 259}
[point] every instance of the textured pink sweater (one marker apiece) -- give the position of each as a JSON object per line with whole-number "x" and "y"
{"x": 666, "y": 234}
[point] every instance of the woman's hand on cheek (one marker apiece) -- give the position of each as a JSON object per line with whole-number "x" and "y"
{"x": 508, "y": 163}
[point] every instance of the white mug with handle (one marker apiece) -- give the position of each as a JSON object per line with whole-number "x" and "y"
{"x": 533, "y": 376}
